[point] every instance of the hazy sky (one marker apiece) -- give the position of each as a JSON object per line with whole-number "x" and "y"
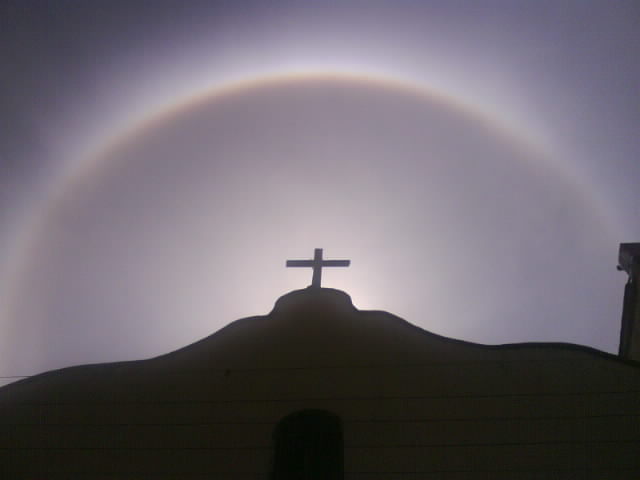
{"x": 159, "y": 161}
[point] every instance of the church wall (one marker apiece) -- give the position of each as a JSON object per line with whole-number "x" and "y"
{"x": 412, "y": 419}
{"x": 412, "y": 405}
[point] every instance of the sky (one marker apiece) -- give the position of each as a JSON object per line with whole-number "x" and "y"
{"x": 159, "y": 161}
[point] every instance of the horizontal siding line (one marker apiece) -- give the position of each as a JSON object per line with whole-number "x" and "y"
{"x": 577, "y": 418}
{"x": 509, "y": 470}
{"x": 263, "y": 473}
{"x": 8, "y": 402}
{"x": 346, "y": 447}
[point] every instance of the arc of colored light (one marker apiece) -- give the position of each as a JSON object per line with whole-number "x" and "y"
{"x": 89, "y": 164}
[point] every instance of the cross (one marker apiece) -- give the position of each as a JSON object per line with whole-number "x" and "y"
{"x": 317, "y": 263}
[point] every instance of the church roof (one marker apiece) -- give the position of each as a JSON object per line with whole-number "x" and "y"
{"x": 319, "y": 328}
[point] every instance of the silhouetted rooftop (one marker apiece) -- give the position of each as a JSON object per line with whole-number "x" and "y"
{"x": 313, "y": 298}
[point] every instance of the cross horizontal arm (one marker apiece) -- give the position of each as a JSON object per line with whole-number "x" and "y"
{"x": 336, "y": 263}
{"x": 299, "y": 263}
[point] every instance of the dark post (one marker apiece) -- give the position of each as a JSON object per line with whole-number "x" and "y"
{"x": 629, "y": 261}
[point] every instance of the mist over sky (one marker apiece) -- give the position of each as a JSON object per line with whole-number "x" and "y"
{"x": 159, "y": 162}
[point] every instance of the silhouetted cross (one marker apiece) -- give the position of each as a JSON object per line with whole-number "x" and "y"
{"x": 317, "y": 263}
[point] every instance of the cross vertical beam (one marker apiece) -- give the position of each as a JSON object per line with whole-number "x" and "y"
{"x": 317, "y": 263}
{"x": 316, "y": 278}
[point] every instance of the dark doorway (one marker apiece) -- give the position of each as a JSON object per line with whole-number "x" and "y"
{"x": 308, "y": 446}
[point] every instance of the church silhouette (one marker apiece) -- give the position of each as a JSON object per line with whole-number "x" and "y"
{"x": 317, "y": 389}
